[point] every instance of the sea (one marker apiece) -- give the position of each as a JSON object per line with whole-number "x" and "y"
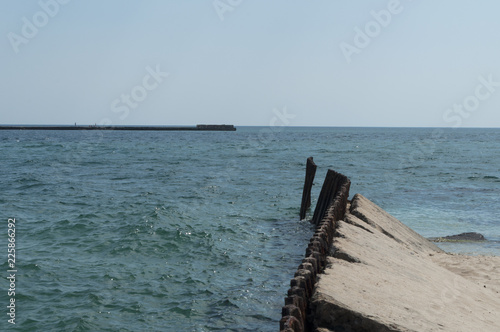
{"x": 200, "y": 231}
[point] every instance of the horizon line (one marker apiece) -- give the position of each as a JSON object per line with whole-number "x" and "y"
{"x": 236, "y": 125}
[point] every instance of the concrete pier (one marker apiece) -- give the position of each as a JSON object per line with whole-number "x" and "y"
{"x": 365, "y": 271}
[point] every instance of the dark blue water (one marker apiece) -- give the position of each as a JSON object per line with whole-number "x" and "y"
{"x": 198, "y": 231}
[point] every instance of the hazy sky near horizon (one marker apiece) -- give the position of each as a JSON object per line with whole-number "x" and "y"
{"x": 259, "y": 62}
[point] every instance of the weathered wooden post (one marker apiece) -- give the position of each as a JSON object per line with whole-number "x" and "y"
{"x": 306, "y": 194}
{"x": 326, "y": 195}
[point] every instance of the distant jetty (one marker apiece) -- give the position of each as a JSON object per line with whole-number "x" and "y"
{"x": 200, "y": 127}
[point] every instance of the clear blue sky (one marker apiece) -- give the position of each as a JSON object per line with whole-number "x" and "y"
{"x": 327, "y": 63}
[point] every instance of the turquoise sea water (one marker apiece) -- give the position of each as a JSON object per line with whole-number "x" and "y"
{"x": 199, "y": 231}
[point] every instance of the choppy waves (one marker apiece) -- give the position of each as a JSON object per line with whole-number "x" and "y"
{"x": 199, "y": 231}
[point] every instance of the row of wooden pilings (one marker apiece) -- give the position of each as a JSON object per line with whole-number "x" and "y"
{"x": 330, "y": 208}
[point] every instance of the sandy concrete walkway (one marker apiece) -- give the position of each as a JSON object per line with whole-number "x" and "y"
{"x": 386, "y": 277}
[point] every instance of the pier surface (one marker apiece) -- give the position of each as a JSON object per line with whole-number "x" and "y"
{"x": 136, "y": 128}
{"x": 383, "y": 277}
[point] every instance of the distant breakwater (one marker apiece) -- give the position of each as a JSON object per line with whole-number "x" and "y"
{"x": 202, "y": 127}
